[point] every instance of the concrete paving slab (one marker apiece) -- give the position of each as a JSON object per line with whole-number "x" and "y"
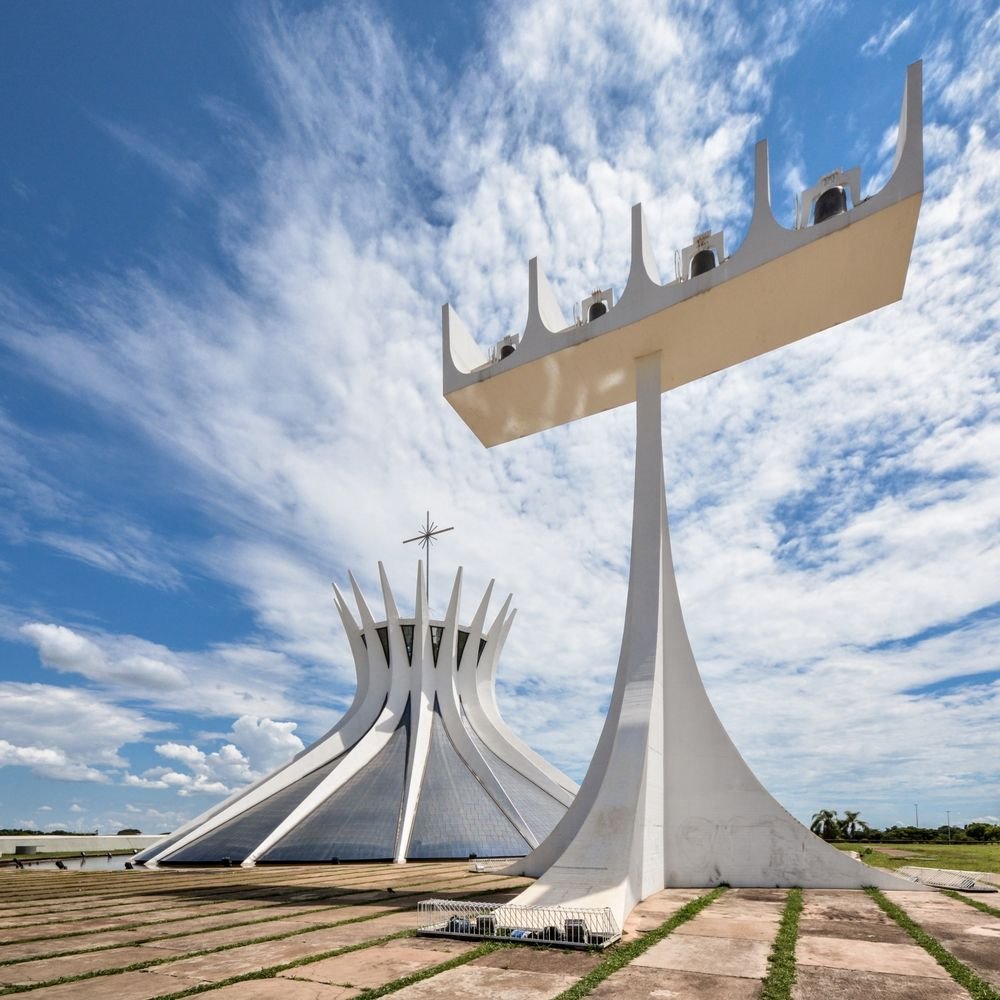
{"x": 363, "y": 969}
{"x": 235, "y": 961}
{"x": 732, "y": 906}
{"x": 50, "y": 946}
{"x": 44, "y": 969}
{"x": 632, "y": 983}
{"x": 127, "y": 986}
{"x": 760, "y": 895}
{"x": 233, "y": 935}
{"x": 176, "y": 918}
{"x": 652, "y": 912}
{"x": 867, "y": 956}
{"x": 476, "y": 982}
{"x": 717, "y": 956}
{"x": 704, "y": 925}
{"x": 528, "y": 958}
{"x": 972, "y": 936}
{"x": 862, "y": 928}
{"x": 813, "y": 983}
{"x": 286, "y": 989}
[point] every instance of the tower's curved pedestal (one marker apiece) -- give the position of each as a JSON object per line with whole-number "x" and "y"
{"x": 668, "y": 800}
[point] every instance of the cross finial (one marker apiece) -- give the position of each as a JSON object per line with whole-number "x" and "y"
{"x": 426, "y": 537}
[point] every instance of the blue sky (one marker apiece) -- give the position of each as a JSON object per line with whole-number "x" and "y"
{"x": 226, "y": 231}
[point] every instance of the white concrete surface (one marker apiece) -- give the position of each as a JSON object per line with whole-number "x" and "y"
{"x": 668, "y": 800}
{"x": 464, "y": 690}
{"x": 779, "y": 286}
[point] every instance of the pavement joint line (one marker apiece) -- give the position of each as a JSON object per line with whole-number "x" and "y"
{"x": 333, "y": 891}
{"x": 618, "y": 956}
{"x": 181, "y": 881}
{"x": 168, "y": 937}
{"x": 106, "y": 929}
{"x": 273, "y": 970}
{"x": 156, "y": 937}
{"x": 152, "y": 962}
{"x": 781, "y": 967}
{"x": 975, "y": 903}
{"x": 978, "y": 988}
{"x": 304, "y": 874}
{"x": 486, "y": 948}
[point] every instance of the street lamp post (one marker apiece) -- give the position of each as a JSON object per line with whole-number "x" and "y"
{"x": 947, "y": 812}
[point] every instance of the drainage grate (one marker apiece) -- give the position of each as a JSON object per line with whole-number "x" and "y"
{"x": 490, "y": 864}
{"x": 945, "y": 878}
{"x": 561, "y": 926}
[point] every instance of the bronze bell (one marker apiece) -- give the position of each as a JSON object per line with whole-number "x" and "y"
{"x": 833, "y": 201}
{"x": 702, "y": 261}
{"x": 596, "y": 310}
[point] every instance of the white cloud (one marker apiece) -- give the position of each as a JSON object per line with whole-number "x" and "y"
{"x": 39, "y": 508}
{"x": 66, "y": 733}
{"x": 185, "y": 173}
{"x": 883, "y": 39}
{"x": 69, "y": 652}
{"x": 258, "y": 746}
{"x": 825, "y": 501}
{"x": 266, "y": 743}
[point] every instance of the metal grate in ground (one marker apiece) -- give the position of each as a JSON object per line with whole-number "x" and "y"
{"x": 948, "y": 878}
{"x": 561, "y": 926}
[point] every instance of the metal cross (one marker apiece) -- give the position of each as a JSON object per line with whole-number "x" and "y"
{"x": 425, "y": 538}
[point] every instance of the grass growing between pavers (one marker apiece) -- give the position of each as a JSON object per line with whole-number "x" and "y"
{"x": 781, "y": 962}
{"x": 153, "y": 962}
{"x": 272, "y": 970}
{"x": 618, "y": 956}
{"x": 959, "y": 971}
{"x": 374, "y": 992}
{"x": 273, "y": 913}
{"x": 975, "y": 903}
{"x": 371, "y": 993}
{"x": 164, "y": 937}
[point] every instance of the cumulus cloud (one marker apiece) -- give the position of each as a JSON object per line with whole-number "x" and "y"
{"x": 225, "y": 680}
{"x": 258, "y": 746}
{"x": 66, "y": 733}
{"x": 69, "y": 652}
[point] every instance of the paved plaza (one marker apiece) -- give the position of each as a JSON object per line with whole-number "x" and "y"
{"x": 341, "y": 932}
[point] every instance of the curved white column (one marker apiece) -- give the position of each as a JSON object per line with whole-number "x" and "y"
{"x": 372, "y": 672}
{"x": 425, "y": 693}
{"x": 668, "y": 800}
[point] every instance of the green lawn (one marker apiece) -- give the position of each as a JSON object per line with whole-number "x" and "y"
{"x": 964, "y": 857}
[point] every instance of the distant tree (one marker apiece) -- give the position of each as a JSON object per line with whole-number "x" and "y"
{"x": 852, "y": 827}
{"x": 129, "y": 832}
{"x": 825, "y": 824}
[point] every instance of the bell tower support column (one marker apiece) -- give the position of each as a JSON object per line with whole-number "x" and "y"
{"x": 668, "y": 800}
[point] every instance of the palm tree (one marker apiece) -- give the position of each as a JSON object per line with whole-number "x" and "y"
{"x": 849, "y": 824}
{"x": 852, "y": 827}
{"x": 825, "y": 824}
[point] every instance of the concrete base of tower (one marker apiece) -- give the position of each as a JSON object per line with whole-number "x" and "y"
{"x": 668, "y": 800}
